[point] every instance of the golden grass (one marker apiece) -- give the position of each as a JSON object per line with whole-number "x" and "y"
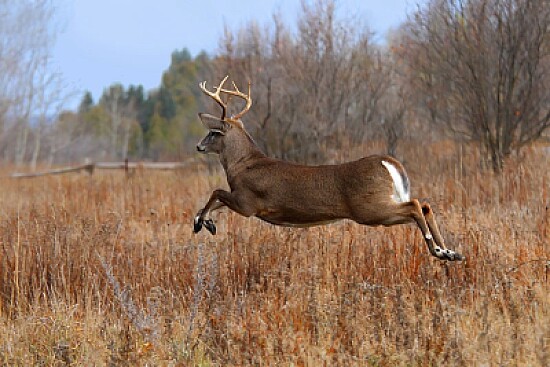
{"x": 104, "y": 270}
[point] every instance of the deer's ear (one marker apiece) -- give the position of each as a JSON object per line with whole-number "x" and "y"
{"x": 213, "y": 122}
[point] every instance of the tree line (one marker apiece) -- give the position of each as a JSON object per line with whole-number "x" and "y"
{"x": 470, "y": 70}
{"x": 129, "y": 122}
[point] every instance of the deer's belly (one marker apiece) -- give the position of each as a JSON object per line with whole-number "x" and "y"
{"x": 299, "y": 225}
{"x": 296, "y": 219}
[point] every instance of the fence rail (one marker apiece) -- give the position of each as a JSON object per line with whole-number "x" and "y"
{"x": 90, "y": 168}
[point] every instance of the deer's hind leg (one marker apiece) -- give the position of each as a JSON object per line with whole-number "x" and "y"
{"x": 412, "y": 211}
{"x": 432, "y": 224}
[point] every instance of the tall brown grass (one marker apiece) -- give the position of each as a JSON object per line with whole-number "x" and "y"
{"x": 104, "y": 270}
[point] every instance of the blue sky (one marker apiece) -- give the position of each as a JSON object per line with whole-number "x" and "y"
{"x": 130, "y": 41}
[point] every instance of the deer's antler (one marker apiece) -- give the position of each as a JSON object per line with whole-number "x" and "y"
{"x": 216, "y": 95}
{"x": 236, "y": 92}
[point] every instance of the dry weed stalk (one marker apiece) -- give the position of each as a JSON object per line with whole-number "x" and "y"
{"x": 335, "y": 295}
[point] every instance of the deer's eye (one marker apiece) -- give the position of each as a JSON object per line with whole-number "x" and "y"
{"x": 213, "y": 135}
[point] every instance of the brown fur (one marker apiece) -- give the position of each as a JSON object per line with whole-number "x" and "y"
{"x": 289, "y": 194}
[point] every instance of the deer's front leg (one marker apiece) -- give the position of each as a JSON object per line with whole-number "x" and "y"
{"x": 201, "y": 220}
{"x": 218, "y": 199}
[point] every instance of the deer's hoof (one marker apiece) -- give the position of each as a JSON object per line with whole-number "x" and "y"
{"x": 452, "y": 255}
{"x": 210, "y": 226}
{"x": 458, "y": 257}
{"x": 446, "y": 254}
{"x": 197, "y": 224}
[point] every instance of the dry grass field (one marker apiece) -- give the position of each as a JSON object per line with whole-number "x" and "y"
{"x": 104, "y": 270}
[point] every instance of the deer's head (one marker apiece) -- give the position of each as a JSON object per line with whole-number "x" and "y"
{"x": 224, "y": 131}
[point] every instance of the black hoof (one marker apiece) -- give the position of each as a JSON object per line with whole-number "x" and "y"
{"x": 210, "y": 226}
{"x": 451, "y": 255}
{"x": 197, "y": 224}
{"x": 447, "y": 255}
{"x": 459, "y": 257}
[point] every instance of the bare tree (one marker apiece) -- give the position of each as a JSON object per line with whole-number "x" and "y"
{"x": 27, "y": 33}
{"x": 64, "y": 134}
{"x": 391, "y": 117}
{"x": 483, "y": 67}
{"x": 319, "y": 85}
{"x": 121, "y": 108}
{"x": 51, "y": 95}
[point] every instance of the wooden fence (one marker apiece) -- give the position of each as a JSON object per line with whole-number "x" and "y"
{"x": 128, "y": 167}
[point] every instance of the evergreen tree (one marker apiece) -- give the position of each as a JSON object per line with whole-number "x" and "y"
{"x": 86, "y": 103}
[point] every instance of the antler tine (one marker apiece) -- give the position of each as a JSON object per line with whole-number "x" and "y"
{"x": 240, "y": 94}
{"x": 216, "y": 95}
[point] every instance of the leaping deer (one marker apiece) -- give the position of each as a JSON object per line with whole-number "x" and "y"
{"x": 373, "y": 190}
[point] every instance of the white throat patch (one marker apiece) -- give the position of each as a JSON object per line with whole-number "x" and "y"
{"x": 401, "y": 192}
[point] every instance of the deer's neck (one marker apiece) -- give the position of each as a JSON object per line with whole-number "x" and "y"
{"x": 235, "y": 158}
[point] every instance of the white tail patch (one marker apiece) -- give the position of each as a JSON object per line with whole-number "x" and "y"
{"x": 401, "y": 192}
